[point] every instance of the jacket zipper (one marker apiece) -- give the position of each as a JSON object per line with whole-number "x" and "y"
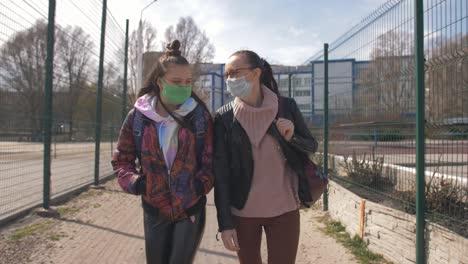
{"x": 170, "y": 192}
{"x": 169, "y": 170}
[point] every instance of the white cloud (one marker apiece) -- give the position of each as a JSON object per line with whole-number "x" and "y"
{"x": 226, "y": 27}
{"x": 296, "y": 32}
{"x": 286, "y": 38}
{"x": 287, "y": 33}
{"x": 295, "y": 54}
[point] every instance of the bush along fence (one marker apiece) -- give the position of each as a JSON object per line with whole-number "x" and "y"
{"x": 391, "y": 104}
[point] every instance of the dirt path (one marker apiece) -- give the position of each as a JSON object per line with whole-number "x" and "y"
{"x": 106, "y": 227}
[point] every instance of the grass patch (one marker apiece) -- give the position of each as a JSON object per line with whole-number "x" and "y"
{"x": 30, "y": 230}
{"x": 356, "y": 245}
{"x": 91, "y": 193}
{"x": 56, "y": 236}
{"x": 67, "y": 210}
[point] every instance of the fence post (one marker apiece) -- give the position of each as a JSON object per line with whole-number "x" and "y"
{"x": 222, "y": 84}
{"x": 99, "y": 94}
{"x": 48, "y": 104}
{"x": 312, "y": 90}
{"x": 325, "y": 122}
{"x": 213, "y": 95}
{"x": 375, "y": 137}
{"x": 55, "y": 142}
{"x": 124, "y": 84}
{"x": 289, "y": 85}
{"x": 279, "y": 84}
{"x": 112, "y": 140}
{"x": 420, "y": 135}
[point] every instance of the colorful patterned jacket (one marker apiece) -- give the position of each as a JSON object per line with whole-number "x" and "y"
{"x": 171, "y": 193}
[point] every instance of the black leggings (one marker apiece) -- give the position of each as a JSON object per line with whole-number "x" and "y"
{"x": 173, "y": 243}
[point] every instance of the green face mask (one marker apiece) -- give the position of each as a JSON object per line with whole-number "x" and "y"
{"x": 176, "y": 95}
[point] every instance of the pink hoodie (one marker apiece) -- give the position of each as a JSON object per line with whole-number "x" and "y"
{"x": 167, "y": 126}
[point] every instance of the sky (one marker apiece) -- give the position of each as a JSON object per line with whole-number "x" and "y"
{"x": 283, "y": 32}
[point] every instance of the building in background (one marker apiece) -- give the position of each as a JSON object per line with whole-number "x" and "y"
{"x": 211, "y": 86}
{"x": 306, "y": 85}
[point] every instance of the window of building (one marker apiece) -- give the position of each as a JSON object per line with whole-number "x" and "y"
{"x": 296, "y": 82}
{"x": 284, "y": 82}
{"x": 302, "y": 93}
{"x": 304, "y": 107}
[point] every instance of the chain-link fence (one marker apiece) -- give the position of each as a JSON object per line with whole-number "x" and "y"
{"x": 213, "y": 86}
{"x": 23, "y": 51}
{"x": 372, "y": 108}
{"x": 370, "y": 113}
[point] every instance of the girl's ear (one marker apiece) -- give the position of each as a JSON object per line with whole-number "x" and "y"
{"x": 258, "y": 72}
{"x": 160, "y": 84}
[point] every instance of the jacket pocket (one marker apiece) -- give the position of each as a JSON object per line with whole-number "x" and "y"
{"x": 199, "y": 187}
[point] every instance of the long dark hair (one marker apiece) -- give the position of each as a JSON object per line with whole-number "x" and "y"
{"x": 172, "y": 55}
{"x": 266, "y": 78}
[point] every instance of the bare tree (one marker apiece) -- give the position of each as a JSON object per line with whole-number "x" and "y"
{"x": 447, "y": 79}
{"x": 22, "y": 68}
{"x": 386, "y": 86}
{"x": 74, "y": 53}
{"x": 112, "y": 79}
{"x": 86, "y": 110}
{"x": 149, "y": 44}
{"x": 195, "y": 45}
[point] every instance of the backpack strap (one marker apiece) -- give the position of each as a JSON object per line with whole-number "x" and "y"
{"x": 200, "y": 125}
{"x": 137, "y": 129}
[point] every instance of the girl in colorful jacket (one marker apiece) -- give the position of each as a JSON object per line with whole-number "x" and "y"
{"x": 170, "y": 132}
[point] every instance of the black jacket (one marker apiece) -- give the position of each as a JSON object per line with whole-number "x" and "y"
{"x": 233, "y": 161}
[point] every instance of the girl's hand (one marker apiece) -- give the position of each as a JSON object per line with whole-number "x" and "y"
{"x": 286, "y": 128}
{"x": 230, "y": 239}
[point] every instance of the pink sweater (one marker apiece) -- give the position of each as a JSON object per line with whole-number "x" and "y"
{"x": 273, "y": 191}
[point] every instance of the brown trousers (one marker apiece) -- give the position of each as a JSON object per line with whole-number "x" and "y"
{"x": 282, "y": 235}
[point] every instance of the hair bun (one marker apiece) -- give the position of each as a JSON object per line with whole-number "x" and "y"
{"x": 263, "y": 62}
{"x": 173, "y": 48}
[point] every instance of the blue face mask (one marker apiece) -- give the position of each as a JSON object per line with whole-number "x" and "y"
{"x": 238, "y": 87}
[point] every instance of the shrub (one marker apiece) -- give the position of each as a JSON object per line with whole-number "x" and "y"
{"x": 367, "y": 172}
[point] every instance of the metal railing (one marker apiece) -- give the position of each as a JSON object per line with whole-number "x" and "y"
{"x": 62, "y": 93}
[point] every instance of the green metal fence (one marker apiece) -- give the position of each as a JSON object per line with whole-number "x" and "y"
{"x": 88, "y": 60}
{"x": 389, "y": 135}
{"x": 376, "y": 100}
